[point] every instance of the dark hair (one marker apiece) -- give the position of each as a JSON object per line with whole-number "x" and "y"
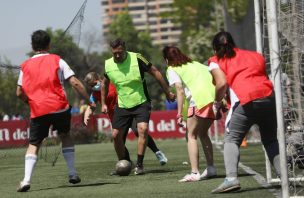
{"x": 40, "y": 40}
{"x": 117, "y": 42}
{"x": 223, "y": 45}
{"x": 174, "y": 56}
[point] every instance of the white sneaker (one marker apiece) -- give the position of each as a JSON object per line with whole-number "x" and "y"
{"x": 192, "y": 177}
{"x": 209, "y": 172}
{"x": 23, "y": 186}
{"x": 161, "y": 157}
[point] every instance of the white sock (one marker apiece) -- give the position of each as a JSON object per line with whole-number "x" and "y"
{"x": 30, "y": 162}
{"x": 69, "y": 156}
{"x": 231, "y": 178}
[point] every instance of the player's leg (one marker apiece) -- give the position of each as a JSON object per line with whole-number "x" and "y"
{"x": 192, "y": 124}
{"x": 122, "y": 120}
{"x": 152, "y": 145}
{"x": 142, "y": 116}
{"x": 119, "y": 145}
{"x": 141, "y": 146}
{"x": 68, "y": 148}
{"x": 266, "y": 120}
{"x": 238, "y": 127}
{"x": 125, "y": 135}
{"x": 39, "y": 129}
{"x": 203, "y": 125}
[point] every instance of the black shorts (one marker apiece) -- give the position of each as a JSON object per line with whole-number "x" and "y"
{"x": 124, "y": 117}
{"x": 40, "y": 126}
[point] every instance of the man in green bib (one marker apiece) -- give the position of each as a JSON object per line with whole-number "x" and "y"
{"x": 126, "y": 71}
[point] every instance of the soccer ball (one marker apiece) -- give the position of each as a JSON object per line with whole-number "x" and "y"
{"x": 123, "y": 168}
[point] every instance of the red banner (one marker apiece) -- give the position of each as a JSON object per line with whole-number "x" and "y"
{"x": 162, "y": 125}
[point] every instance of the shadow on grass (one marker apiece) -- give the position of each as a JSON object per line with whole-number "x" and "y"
{"x": 76, "y": 186}
{"x": 243, "y": 190}
{"x": 159, "y": 171}
{"x": 223, "y": 176}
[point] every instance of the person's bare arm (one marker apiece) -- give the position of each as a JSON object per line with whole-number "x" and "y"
{"x": 77, "y": 84}
{"x": 104, "y": 93}
{"x": 180, "y": 102}
{"x": 159, "y": 77}
{"x": 220, "y": 84}
{"x": 20, "y": 94}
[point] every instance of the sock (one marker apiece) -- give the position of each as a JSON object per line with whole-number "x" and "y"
{"x": 211, "y": 168}
{"x": 151, "y": 144}
{"x": 30, "y": 162}
{"x": 69, "y": 156}
{"x": 140, "y": 159}
{"x": 231, "y": 178}
{"x": 127, "y": 155}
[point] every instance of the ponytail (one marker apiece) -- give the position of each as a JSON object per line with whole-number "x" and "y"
{"x": 223, "y": 45}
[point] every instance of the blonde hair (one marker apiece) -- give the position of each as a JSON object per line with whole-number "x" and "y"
{"x": 91, "y": 77}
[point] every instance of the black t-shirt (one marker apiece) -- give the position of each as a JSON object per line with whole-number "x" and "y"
{"x": 144, "y": 66}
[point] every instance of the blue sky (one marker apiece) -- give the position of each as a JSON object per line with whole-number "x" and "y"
{"x": 19, "y": 18}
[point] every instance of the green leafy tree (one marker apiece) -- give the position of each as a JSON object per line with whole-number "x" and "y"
{"x": 191, "y": 16}
{"x": 10, "y": 104}
{"x": 122, "y": 27}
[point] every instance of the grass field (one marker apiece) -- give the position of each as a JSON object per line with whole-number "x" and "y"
{"x": 94, "y": 162}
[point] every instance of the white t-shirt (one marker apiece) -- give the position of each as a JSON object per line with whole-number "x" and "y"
{"x": 64, "y": 71}
{"x": 173, "y": 78}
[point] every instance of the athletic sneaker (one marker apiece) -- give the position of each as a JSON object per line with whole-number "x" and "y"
{"x": 208, "y": 173}
{"x": 74, "y": 179}
{"x": 228, "y": 186}
{"x": 161, "y": 157}
{"x": 23, "y": 186}
{"x": 192, "y": 177}
{"x": 139, "y": 170}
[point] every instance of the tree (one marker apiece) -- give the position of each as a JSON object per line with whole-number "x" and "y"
{"x": 10, "y": 104}
{"x": 191, "y": 16}
{"x": 122, "y": 27}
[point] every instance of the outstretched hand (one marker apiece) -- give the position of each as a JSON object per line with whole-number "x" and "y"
{"x": 87, "y": 115}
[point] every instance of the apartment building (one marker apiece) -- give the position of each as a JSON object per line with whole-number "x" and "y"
{"x": 145, "y": 15}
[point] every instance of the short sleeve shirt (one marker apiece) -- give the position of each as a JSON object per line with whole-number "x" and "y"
{"x": 64, "y": 71}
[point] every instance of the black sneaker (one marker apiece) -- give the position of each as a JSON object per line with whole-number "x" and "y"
{"x": 74, "y": 179}
{"x": 23, "y": 186}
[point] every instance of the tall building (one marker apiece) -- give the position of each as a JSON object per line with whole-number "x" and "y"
{"x": 146, "y": 16}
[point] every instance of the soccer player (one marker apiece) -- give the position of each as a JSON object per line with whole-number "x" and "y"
{"x": 252, "y": 102}
{"x": 126, "y": 71}
{"x": 40, "y": 85}
{"x": 193, "y": 80}
{"x": 94, "y": 81}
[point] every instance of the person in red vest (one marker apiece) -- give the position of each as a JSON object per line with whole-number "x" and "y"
{"x": 93, "y": 80}
{"x": 252, "y": 102}
{"x": 40, "y": 85}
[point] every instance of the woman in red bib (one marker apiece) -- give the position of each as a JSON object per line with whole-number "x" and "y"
{"x": 252, "y": 102}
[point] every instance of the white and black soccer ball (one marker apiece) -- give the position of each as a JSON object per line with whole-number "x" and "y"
{"x": 123, "y": 167}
